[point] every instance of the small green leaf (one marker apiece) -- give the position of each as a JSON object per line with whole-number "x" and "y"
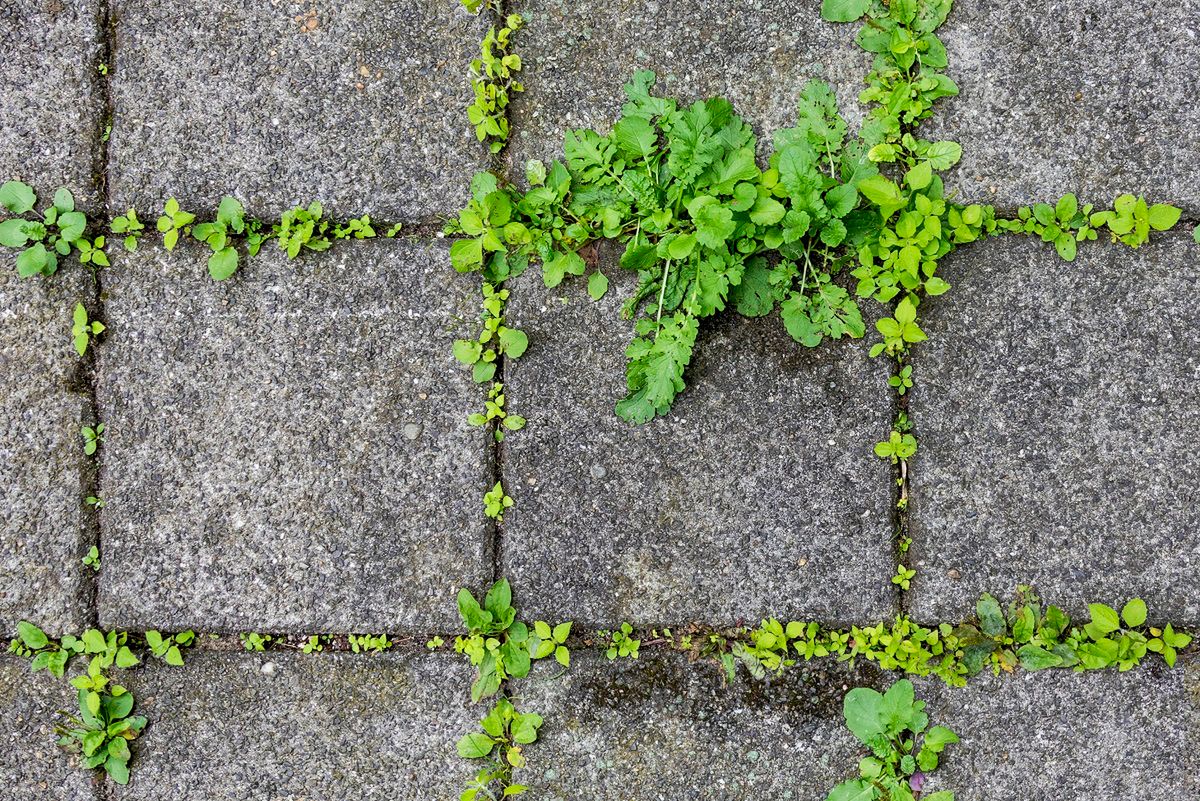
{"x": 597, "y": 285}
{"x": 1134, "y": 613}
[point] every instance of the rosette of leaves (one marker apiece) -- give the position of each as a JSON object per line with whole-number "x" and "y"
{"x": 903, "y": 746}
{"x": 496, "y": 642}
{"x": 102, "y": 732}
{"x": 43, "y": 240}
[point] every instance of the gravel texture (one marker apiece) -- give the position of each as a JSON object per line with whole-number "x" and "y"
{"x": 1055, "y": 406}
{"x": 633, "y": 729}
{"x": 1087, "y": 96}
{"x": 53, "y": 104}
{"x": 43, "y": 523}
{"x": 262, "y": 470}
{"x": 31, "y": 765}
{"x": 758, "y": 54}
{"x": 1057, "y": 735}
{"x": 321, "y": 727}
{"x": 758, "y": 494}
{"x": 357, "y": 104}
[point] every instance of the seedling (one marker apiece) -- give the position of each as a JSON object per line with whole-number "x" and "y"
{"x": 169, "y": 647}
{"x": 303, "y": 228}
{"x": 369, "y": 643}
{"x": 231, "y": 219}
{"x": 253, "y": 641}
{"x": 504, "y": 731}
{"x": 92, "y": 438}
{"x": 84, "y": 331}
{"x": 493, "y": 77}
{"x": 92, "y": 559}
{"x": 897, "y": 447}
{"x": 102, "y": 732}
{"x": 130, "y": 227}
{"x": 173, "y": 222}
{"x": 495, "y": 502}
{"x": 45, "y": 239}
{"x": 621, "y": 643}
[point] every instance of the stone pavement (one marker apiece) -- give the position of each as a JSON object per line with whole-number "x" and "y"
{"x": 287, "y": 452}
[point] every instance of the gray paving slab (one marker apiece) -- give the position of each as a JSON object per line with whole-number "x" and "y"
{"x": 289, "y": 449}
{"x": 1057, "y": 735}
{"x": 660, "y": 727}
{"x": 1096, "y": 98}
{"x": 43, "y": 525}
{"x": 32, "y": 767}
{"x": 365, "y": 111}
{"x": 757, "y": 495}
{"x": 52, "y": 106}
{"x": 320, "y": 727}
{"x": 1055, "y": 406}
{"x": 757, "y": 54}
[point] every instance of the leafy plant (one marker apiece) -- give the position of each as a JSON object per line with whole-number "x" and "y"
{"x": 902, "y": 381}
{"x": 504, "y": 731}
{"x": 231, "y": 219}
{"x": 103, "y": 731}
{"x": 92, "y": 559}
{"x": 55, "y": 231}
{"x": 369, "y": 643}
{"x": 169, "y": 647}
{"x": 303, "y": 229}
{"x": 92, "y": 437}
{"x": 435, "y": 643}
{"x": 493, "y": 410}
{"x": 252, "y": 641}
{"x": 359, "y": 228}
{"x": 315, "y": 644}
{"x": 904, "y": 576}
{"x": 83, "y": 330}
{"x": 891, "y": 724}
{"x": 495, "y": 502}
{"x": 95, "y": 502}
{"x": 493, "y": 76}
{"x": 547, "y": 641}
{"x": 621, "y": 643}
{"x": 130, "y": 226}
{"x": 173, "y": 222}
{"x": 897, "y": 447}
{"x": 496, "y": 642}
{"x": 494, "y": 340}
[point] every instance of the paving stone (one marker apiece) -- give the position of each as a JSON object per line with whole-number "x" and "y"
{"x": 30, "y": 762}
{"x": 320, "y": 727}
{"x": 52, "y": 106}
{"x": 259, "y": 466}
{"x": 579, "y": 53}
{"x": 1055, "y": 406}
{"x": 661, "y": 727}
{"x": 43, "y": 528}
{"x": 365, "y": 112}
{"x": 1089, "y": 96}
{"x": 758, "y": 494}
{"x": 1103, "y": 736}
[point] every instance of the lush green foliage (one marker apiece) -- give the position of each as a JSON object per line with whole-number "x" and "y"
{"x": 499, "y": 645}
{"x": 903, "y": 746}
{"x": 103, "y": 731}
{"x": 53, "y": 233}
{"x": 493, "y": 77}
{"x": 504, "y": 731}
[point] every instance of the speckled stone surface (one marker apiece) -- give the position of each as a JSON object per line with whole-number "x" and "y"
{"x": 758, "y": 494}
{"x": 757, "y": 54}
{"x": 660, "y": 727}
{"x": 32, "y": 767}
{"x": 1055, "y": 735}
{"x": 52, "y": 101}
{"x": 320, "y": 727}
{"x": 365, "y": 111}
{"x": 43, "y": 525}
{"x": 1056, "y": 407}
{"x": 1096, "y": 97}
{"x": 258, "y": 472}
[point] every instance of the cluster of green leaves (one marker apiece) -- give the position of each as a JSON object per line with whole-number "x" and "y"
{"x": 897, "y": 447}
{"x": 493, "y": 411}
{"x": 504, "y": 731}
{"x": 496, "y": 339}
{"x": 493, "y": 77}
{"x": 495, "y": 502}
{"x": 53, "y": 233}
{"x": 129, "y": 226}
{"x": 169, "y": 647}
{"x": 620, "y": 643}
{"x": 92, "y": 559}
{"x": 253, "y": 641}
{"x": 315, "y": 643}
{"x": 83, "y": 330}
{"x": 1066, "y": 223}
{"x": 231, "y": 219}
{"x": 903, "y": 747}
{"x": 1026, "y": 636}
{"x": 369, "y": 643}
{"x": 103, "y": 730}
{"x": 499, "y": 645}
{"x": 92, "y": 438}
